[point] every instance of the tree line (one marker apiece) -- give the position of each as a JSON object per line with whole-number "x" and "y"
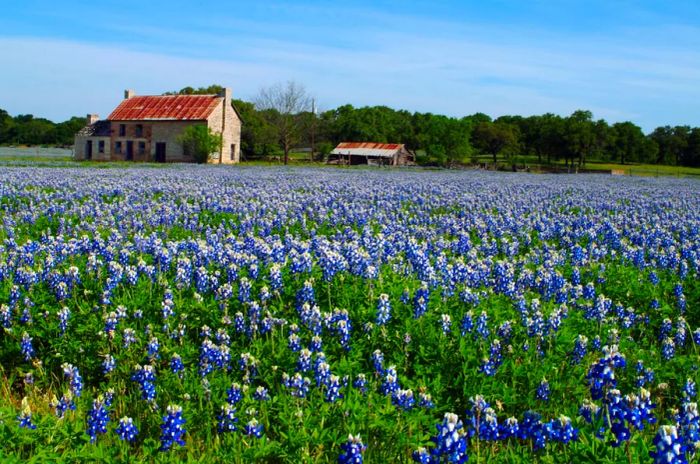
{"x": 282, "y": 118}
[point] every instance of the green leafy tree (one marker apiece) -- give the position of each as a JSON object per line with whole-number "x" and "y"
{"x": 629, "y": 142}
{"x": 495, "y": 138}
{"x": 200, "y": 143}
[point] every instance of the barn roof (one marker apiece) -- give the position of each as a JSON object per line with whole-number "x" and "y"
{"x": 367, "y": 149}
{"x": 166, "y": 107}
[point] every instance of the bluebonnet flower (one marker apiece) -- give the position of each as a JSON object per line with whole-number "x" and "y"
{"x": 580, "y": 349}
{"x": 668, "y": 348}
{"x": 690, "y": 390}
{"x": 71, "y": 373}
{"x": 234, "y": 394}
{"x": 261, "y": 394}
{"x": 299, "y": 386}
{"x": 670, "y": 448}
{"x": 601, "y": 374}
{"x": 360, "y": 383}
{"x": 425, "y": 400}
{"x": 420, "y": 300}
{"x": 681, "y": 333}
{"x": 26, "y": 347}
{"x": 172, "y": 430}
{"x": 253, "y": 428}
{"x": 489, "y": 429}
{"x": 383, "y": 309}
{"x": 378, "y": 361}
{"x": 127, "y": 430}
{"x": 490, "y": 365}
{"x": 249, "y": 365}
{"x": 665, "y": 329}
{"x": 146, "y": 378}
{"x": 304, "y": 360}
{"x": 422, "y": 456}
{"x": 316, "y": 344}
{"x": 227, "y": 419}
{"x": 128, "y": 337}
{"x": 653, "y": 278}
{"x": 63, "y": 317}
{"x": 352, "y": 451}
{"x": 403, "y": 399}
{"x": 589, "y": 411}
{"x": 509, "y": 428}
{"x": 176, "y": 365}
{"x": 482, "y": 328}
{"x": 64, "y": 404}
{"x": 532, "y": 428}
{"x": 446, "y": 323}
{"x": 333, "y": 389}
{"x": 543, "y": 390}
{"x": 390, "y": 383}
{"x": 97, "y": 419}
{"x": 152, "y": 349}
{"x": 322, "y": 372}
{"x": 294, "y": 342}
{"x": 450, "y": 440}
{"x": 562, "y": 431}
{"x": 108, "y": 364}
{"x": 467, "y": 324}
{"x": 25, "y": 417}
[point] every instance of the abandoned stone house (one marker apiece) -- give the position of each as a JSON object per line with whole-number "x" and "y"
{"x": 147, "y": 128}
{"x": 376, "y": 154}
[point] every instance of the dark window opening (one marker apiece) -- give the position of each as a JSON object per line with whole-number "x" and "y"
{"x": 117, "y": 147}
{"x": 233, "y": 152}
{"x": 101, "y": 146}
{"x": 122, "y": 130}
{"x": 138, "y": 130}
{"x": 142, "y": 148}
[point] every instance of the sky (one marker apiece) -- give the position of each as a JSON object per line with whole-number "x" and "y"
{"x": 622, "y": 60}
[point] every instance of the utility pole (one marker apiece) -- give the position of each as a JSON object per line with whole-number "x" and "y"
{"x": 313, "y": 127}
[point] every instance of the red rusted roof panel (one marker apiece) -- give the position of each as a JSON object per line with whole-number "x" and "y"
{"x": 369, "y": 145}
{"x": 165, "y": 107}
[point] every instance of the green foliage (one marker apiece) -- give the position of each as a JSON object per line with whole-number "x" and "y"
{"x": 200, "y": 142}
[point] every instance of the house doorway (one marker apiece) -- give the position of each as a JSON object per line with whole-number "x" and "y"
{"x": 233, "y": 152}
{"x": 130, "y": 150}
{"x": 160, "y": 152}
{"x": 88, "y": 150}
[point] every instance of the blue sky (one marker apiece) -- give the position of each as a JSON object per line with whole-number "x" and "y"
{"x": 623, "y": 60}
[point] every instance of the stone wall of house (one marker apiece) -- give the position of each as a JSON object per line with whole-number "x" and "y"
{"x": 168, "y": 132}
{"x": 225, "y": 116}
{"x": 80, "y": 148}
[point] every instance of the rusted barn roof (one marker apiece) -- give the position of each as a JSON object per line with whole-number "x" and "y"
{"x": 367, "y": 149}
{"x": 165, "y": 107}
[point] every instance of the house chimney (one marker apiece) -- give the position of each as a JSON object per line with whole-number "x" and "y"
{"x": 92, "y": 119}
{"x": 128, "y": 93}
{"x": 226, "y": 94}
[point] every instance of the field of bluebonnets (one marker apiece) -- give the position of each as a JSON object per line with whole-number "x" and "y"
{"x": 258, "y": 314}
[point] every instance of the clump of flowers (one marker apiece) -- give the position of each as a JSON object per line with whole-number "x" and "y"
{"x": 172, "y": 430}
{"x": 352, "y": 450}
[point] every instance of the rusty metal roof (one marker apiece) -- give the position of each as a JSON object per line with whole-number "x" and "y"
{"x": 367, "y": 149}
{"x": 165, "y": 108}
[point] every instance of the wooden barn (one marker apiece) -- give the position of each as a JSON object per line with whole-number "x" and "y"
{"x": 373, "y": 154}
